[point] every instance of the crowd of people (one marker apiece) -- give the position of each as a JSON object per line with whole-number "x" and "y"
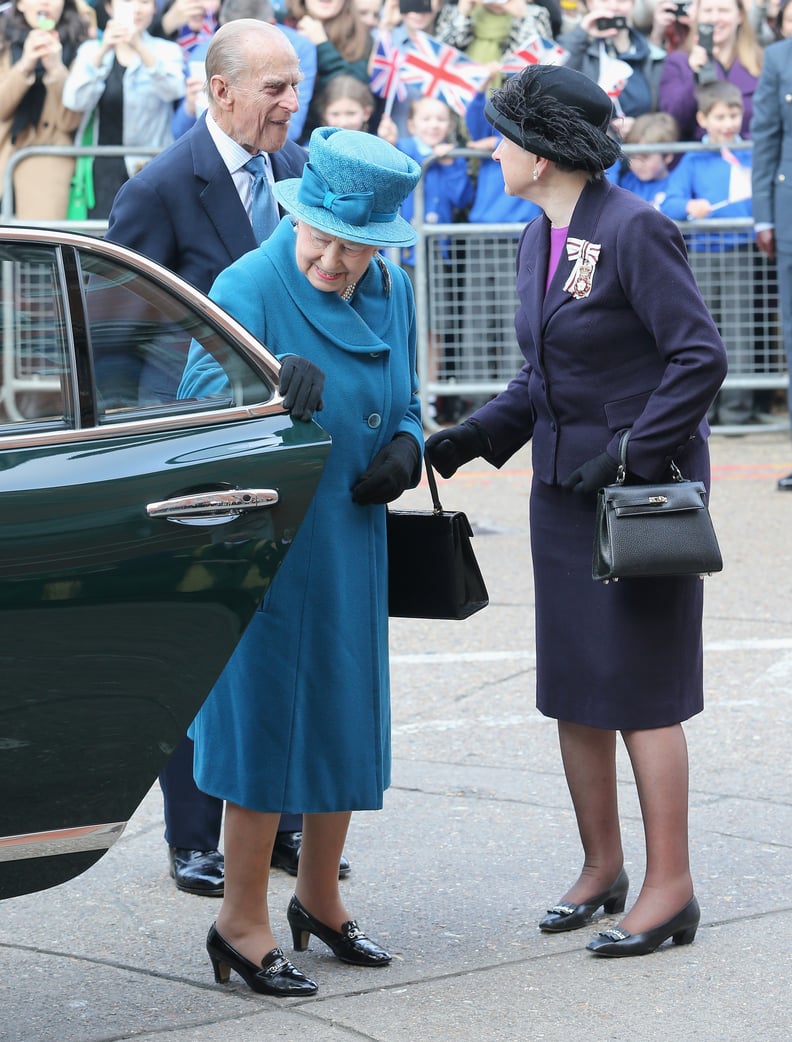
{"x": 132, "y": 73}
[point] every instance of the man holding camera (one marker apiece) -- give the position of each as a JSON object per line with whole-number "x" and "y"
{"x": 607, "y": 48}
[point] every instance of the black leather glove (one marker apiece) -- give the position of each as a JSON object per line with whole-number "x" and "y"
{"x": 391, "y": 471}
{"x": 301, "y": 384}
{"x": 449, "y": 449}
{"x": 593, "y": 475}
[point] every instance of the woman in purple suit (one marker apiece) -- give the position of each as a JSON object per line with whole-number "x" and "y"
{"x": 615, "y": 336}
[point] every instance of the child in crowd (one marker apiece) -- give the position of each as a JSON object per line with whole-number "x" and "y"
{"x": 346, "y": 103}
{"x": 717, "y": 184}
{"x": 447, "y": 187}
{"x": 402, "y": 20}
{"x": 646, "y": 173}
{"x": 432, "y": 130}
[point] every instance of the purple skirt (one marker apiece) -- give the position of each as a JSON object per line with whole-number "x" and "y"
{"x": 624, "y": 655}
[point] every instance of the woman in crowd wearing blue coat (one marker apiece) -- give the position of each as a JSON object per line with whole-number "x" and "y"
{"x": 615, "y": 337}
{"x": 300, "y": 719}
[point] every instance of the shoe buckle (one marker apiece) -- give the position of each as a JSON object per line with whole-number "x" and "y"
{"x": 352, "y": 931}
{"x": 562, "y": 909}
{"x": 279, "y": 962}
{"x": 615, "y": 934}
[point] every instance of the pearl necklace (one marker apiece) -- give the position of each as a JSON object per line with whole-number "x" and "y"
{"x": 347, "y": 294}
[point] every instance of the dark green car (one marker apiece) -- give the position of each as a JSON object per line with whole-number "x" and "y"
{"x": 138, "y": 532}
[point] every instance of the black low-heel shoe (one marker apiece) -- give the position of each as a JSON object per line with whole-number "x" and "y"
{"x": 563, "y": 917}
{"x": 275, "y": 976}
{"x": 618, "y": 943}
{"x": 349, "y": 945}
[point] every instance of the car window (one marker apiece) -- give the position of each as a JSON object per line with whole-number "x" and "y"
{"x": 130, "y": 337}
{"x": 35, "y": 338}
{"x": 142, "y": 335}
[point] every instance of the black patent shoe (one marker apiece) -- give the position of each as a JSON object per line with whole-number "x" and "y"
{"x": 563, "y": 917}
{"x": 200, "y": 872}
{"x": 286, "y": 854}
{"x": 618, "y": 943}
{"x": 275, "y": 976}
{"x": 349, "y": 945}
{"x": 785, "y": 484}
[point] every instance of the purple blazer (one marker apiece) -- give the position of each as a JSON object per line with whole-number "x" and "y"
{"x": 641, "y": 351}
{"x": 677, "y": 93}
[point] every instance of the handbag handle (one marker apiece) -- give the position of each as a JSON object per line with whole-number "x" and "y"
{"x": 432, "y": 485}
{"x": 621, "y": 473}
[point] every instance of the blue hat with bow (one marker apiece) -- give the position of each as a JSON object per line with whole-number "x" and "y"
{"x": 352, "y": 186}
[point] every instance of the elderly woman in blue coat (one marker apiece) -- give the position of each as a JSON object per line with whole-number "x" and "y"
{"x": 615, "y": 336}
{"x": 300, "y": 719}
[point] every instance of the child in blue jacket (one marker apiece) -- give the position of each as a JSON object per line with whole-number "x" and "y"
{"x": 647, "y": 173}
{"x": 711, "y": 185}
{"x": 446, "y": 183}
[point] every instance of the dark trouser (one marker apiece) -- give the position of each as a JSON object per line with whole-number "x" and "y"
{"x": 784, "y": 262}
{"x": 193, "y": 819}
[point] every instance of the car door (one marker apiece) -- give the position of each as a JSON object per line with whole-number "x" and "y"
{"x": 139, "y": 529}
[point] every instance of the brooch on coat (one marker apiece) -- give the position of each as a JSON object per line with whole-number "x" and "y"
{"x": 585, "y": 255}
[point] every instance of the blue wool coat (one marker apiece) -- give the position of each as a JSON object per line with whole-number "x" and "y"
{"x": 300, "y": 718}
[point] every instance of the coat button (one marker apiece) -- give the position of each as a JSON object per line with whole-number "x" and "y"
{"x": 788, "y": 97}
{"x": 374, "y": 354}
{"x": 782, "y": 177}
{"x": 374, "y": 420}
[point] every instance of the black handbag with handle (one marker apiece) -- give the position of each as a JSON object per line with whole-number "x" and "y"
{"x": 647, "y": 531}
{"x": 432, "y": 569}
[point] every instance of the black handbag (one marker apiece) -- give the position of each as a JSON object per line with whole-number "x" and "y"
{"x": 646, "y": 531}
{"x": 432, "y": 570}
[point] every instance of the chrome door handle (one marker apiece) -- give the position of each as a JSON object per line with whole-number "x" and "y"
{"x": 213, "y": 508}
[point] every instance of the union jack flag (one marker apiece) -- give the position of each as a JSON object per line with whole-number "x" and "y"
{"x": 188, "y": 38}
{"x": 537, "y": 51}
{"x": 386, "y": 68}
{"x": 443, "y": 72}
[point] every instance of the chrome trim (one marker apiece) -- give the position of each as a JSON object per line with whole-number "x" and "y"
{"x": 162, "y": 424}
{"x": 60, "y": 841}
{"x": 216, "y": 507}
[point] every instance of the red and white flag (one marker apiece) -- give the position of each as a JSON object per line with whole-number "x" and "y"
{"x": 441, "y": 71}
{"x": 386, "y": 68}
{"x": 537, "y": 51}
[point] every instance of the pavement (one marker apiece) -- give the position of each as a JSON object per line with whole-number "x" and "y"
{"x": 477, "y": 838}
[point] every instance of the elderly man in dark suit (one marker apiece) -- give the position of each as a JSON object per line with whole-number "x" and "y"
{"x": 194, "y": 209}
{"x": 771, "y": 131}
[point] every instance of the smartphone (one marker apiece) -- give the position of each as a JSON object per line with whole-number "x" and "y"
{"x": 706, "y": 31}
{"x": 618, "y": 22}
{"x": 417, "y": 6}
{"x": 124, "y": 14}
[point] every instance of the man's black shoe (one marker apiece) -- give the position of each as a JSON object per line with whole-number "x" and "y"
{"x": 286, "y": 854}
{"x": 199, "y": 872}
{"x": 785, "y": 484}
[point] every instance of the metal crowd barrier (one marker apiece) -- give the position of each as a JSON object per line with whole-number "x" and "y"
{"x": 465, "y": 296}
{"x": 466, "y": 301}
